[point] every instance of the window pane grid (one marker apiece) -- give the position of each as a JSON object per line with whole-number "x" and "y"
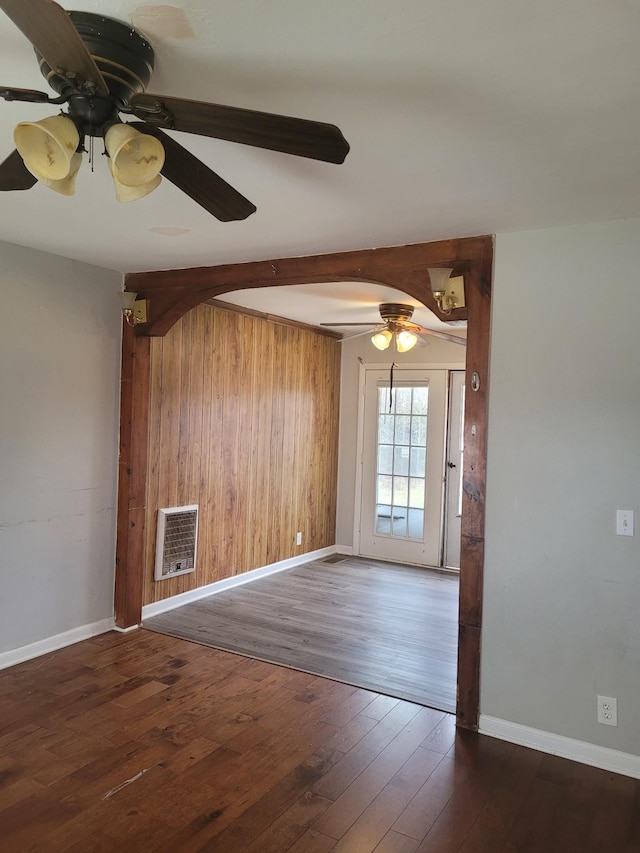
{"x": 401, "y": 469}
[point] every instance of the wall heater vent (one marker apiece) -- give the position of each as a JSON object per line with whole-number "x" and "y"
{"x": 176, "y": 541}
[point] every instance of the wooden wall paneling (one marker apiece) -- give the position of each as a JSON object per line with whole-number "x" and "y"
{"x": 309, "y": 366}
{"x": 235, "y": 462}
{"x": 238, "y": 398}
{"x": 251, "y": 461}
{"x": 163, "y": 447}
{"x": 211, "y": 444}
{"x": 289, "y": 509}
{"x": 224, "y": 473}
{"x": 328, "y": 451}
{"x": 188, "y": 391}
{"x": 278, "y": 459}
{"x": 196, "y": 404}
{"x": 258, "y": 494}
{"x": 170, "y": 412}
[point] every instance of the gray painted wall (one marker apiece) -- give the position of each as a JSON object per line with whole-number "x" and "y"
{"x": 562, "y": 591}
{"x": 59, "y": 399}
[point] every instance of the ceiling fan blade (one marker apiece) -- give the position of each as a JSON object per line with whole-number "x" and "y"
{"x": 49, "y": 29}
{"x": 347, "y": 324}
{"x": 14, "y": 175}
{"x": 301, "y": 137}
{"x": 370, "y": 331}
{"x": 32, "y": 95}
{"x": 198, "y": 181}
{"x": 445, "y": 336}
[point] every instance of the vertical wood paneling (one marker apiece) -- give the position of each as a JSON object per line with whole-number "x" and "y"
{"x": 209, "y": 405}
{"x": 244, "y": 422}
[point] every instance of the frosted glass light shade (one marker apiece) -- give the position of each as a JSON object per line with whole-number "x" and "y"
{"x": 381, "y": 340}
{"x": 136, "y": 158}
{"x": 438, "y": 278}
{"x": 47, "y": 146}
{"x": 127, "y": 298}
{"x": 125, "y": 193}
{"x": 66, "y": 186}
{"x": 405, "y": 341}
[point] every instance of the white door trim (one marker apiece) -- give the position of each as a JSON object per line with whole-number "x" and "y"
{"x": 362, "y": 375}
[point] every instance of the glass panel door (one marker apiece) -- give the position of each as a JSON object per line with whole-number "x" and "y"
{"x": 403, "y": 459}
{"x": 401, "y": 475}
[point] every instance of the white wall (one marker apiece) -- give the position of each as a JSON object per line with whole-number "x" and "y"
{"x": 59, "y": 399}
{"x": 435, "y": 352}
{"x": 562, "y": 592}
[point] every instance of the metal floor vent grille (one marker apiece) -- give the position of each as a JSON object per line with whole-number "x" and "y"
{"x": 335, "y": 558}
{"x": 176, "y": 541}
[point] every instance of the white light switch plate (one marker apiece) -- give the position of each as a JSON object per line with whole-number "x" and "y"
{"x": 624, "y": 522}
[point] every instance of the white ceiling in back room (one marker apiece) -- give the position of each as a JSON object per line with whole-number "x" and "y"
{"x": 335, "y": 303}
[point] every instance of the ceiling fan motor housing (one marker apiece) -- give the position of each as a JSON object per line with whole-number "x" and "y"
{"x": 123, "y": 55}
{"x": 395, "y": 311}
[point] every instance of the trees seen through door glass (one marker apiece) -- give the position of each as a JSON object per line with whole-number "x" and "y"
{"x": 401, "y": 473}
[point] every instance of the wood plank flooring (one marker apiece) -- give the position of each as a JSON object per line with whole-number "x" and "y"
{"x": 128, "y": 743}
{"x": 382, "y": 626}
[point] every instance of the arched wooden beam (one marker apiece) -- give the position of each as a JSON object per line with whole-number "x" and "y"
{"x": 172, "y": 293}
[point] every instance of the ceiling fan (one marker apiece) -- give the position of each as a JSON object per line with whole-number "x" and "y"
{"x": 100, "y": 67}
{"x": 398, "y": 327}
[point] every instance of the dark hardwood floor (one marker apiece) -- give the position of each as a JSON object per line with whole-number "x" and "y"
{"x": 383, "y": 626}
{"x": 143, "y": 742}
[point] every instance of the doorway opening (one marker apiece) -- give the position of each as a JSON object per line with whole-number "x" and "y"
{"x": 409, "y": 498}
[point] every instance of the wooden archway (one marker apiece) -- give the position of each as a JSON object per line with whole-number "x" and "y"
{"x": 172, "y": 293}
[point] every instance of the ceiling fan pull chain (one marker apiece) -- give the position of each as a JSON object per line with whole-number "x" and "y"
{"x": 393, "y": 364}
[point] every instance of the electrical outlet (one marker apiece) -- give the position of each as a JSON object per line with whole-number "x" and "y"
{"x": 607, "y": 710}
{"x": 298, "y": 538}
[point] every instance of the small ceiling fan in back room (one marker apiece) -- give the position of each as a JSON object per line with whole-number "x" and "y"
{"x": 100, "y": 67}
{"x": 396, "y": 324}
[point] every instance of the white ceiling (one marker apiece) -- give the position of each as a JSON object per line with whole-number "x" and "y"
{"x": 335, "y": 303}
{"x": 463, "y": 118}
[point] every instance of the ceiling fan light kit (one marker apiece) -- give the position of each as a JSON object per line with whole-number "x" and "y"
{"x": 100, "y": 67}
{"x": 397, "y": 327}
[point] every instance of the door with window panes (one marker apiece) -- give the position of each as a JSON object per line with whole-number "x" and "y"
{"x": 403, "y": 461}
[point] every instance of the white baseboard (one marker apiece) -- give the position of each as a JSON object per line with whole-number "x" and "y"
{"x": 347, "y": 550}
{"x": 174, "y": 601}
{"x": 585, "y": 753}
{"x": 52, "y": 644}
